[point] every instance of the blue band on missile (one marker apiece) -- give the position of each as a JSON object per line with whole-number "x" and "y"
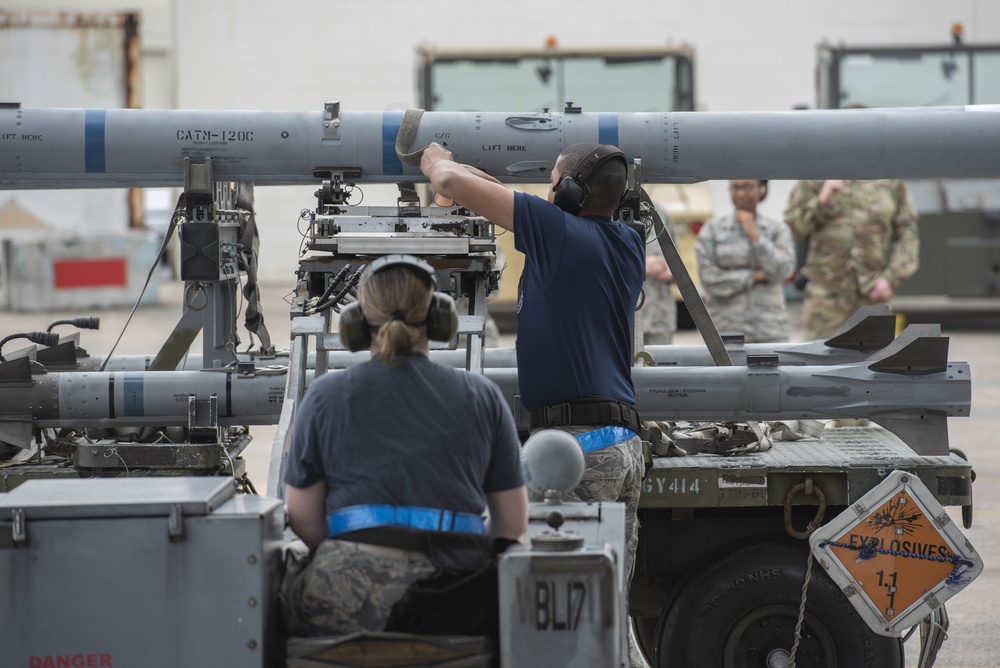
{"x": 93, "y": 140}
{"x": 607, "y": 129}
{"x": 391, "y": 121}
{"x": 132, "y": 390}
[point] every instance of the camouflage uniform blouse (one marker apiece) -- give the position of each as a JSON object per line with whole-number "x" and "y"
{"x": 659, "y": 310}
{"x": 727, "y": 261}
{"x": 867, "y": 230}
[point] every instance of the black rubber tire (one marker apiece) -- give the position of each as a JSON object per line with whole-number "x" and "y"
{"x": 645, "y": 633}
{"x": 741, "y": 610}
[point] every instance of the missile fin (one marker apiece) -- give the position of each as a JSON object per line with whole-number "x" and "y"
{"x": 918, "y": 351}
{"x": 62, "y": 354}
{"x": 16, "y": 433}
{"x": 926, "y": 433}
{"x": 870, "y": 328}
{"x": 16, "y": 370}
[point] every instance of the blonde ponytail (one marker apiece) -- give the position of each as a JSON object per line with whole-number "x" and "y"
{"x": 395, "y": 303}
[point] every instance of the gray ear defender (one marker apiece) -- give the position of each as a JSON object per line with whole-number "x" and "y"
{"x": 442, "y": 315}
{"x": 355, "y": 333}
{"x": 442, "y": 318}
{"x": 570, "y": 194}
{"x": 571, "y": 189}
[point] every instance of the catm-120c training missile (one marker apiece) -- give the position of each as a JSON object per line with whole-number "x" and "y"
{"x": 102, "y": 148}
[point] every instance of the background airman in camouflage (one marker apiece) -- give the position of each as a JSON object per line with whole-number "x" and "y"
{"x": 863, "y": 243}
{"x": 743, "y": 261}
{"x": 659, "y": 309}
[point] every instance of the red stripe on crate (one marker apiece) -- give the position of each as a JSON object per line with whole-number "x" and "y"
{"x": 108, "y": 272}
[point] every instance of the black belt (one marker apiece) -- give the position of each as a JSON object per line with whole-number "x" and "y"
{"x": 445, "y": 549}
{"x": 597, "y": 412}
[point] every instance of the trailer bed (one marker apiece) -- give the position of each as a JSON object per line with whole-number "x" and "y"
{"x": 844, "y": 463}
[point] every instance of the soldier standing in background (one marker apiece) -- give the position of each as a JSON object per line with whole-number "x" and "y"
{"x": 863, "y": 243}
{"x": 743, "y": 261}
{"x": 659, "y": 309}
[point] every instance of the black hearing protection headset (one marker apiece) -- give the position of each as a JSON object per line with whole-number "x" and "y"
{"x": 441, "y": 320}
{"x": 571, "y": 189}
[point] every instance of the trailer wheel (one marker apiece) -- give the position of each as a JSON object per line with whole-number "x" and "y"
{"x": 645, "y": 633}
{"x": 740, "y": 612}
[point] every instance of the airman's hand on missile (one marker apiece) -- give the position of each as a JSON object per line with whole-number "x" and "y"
{"x": 434, "y": 151}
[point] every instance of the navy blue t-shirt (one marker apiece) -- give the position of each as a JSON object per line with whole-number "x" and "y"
{"x": 422, "y": 434}
{"x": 581, "y": 282}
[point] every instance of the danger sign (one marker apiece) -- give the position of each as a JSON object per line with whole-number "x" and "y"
{"x": 896, "y": 554}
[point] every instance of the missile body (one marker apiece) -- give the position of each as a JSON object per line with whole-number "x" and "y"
{"x": 735, "y": 393}
{"x": 104, "y": 148}
{"x": 810, "y": 353}
{"x": 154, "y": 398}
{"x": 787, "y": 354}
{"x": 738, "y": 394}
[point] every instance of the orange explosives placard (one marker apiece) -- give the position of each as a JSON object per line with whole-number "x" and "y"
{"x": 895, "y": 555}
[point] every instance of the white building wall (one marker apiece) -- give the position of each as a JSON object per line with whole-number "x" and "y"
{"x": 750, "y": 55}
{"x": 260, "y": 54}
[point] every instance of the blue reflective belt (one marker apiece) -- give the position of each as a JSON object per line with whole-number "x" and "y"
{"x": 605, "y": 437}
{"x": 370, "y": 516}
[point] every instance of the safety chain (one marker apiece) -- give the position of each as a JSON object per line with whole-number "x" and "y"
{"x": 809, "y": 489}
{"x": 868, "y": 551}
{"x": 802, "y": 614}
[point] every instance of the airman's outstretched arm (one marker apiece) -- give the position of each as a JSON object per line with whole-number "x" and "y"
{"x": 468, "y": 186}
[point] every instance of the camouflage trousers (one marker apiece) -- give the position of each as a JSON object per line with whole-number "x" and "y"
{"x": 658, "y": 314}
{"x": 612, "y": 474}
{"x": 824, "y": 310}
{"x": 349, "y": 587}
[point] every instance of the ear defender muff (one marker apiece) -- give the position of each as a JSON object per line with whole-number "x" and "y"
{"x": 355, "y": 333}
{"x": 570, "y": 194}
{"x": 571, "y": 189}
{"x": 442, "y": 316}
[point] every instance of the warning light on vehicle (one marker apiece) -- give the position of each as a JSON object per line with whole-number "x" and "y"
{"x": 957, "y": 32}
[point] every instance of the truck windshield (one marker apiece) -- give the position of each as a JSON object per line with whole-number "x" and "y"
{"x": 919, "y": 78}
{"x": 623, "y": 83}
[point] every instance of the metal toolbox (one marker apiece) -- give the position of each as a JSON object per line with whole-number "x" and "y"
{"x": 138, "y": 572}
